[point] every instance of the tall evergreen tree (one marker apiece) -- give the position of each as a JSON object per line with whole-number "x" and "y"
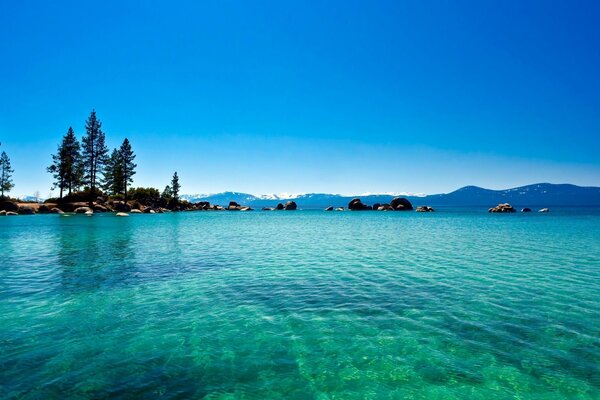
{"x": 113, "y": 173}
{"x": 127, "y": 164}
{"x": 6, "y": 171}
{"x": 175, "y": 186}
{"x": 67, "y": 166}
{"x": 94, "y": 152}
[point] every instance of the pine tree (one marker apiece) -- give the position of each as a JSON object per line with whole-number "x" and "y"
{"x": 113, "y": 173}
{"x": 66, "y": 165}
{"x": 167, "y": 193}
{"x": 175, "y": 187}
{"x": 6, "y": 171}
{"x": 127, "y": 164}
{"x": 94, "y": 152}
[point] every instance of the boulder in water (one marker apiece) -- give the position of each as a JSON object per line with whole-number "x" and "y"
{"x": 526, "y": 209}
{"x": 82, "y": 210}
{"x": 290, "y": 205}
{"x": 56, "y": 210}
{"x": 544, "y": 210}
{"x": 122, "y": 214}
{"x": 502, "y": 208}
{"x": 357, "y": 205}
{"x": 401, "y": 204}
{"x": 330, "y": 208}
{"x": 279, "y": 206}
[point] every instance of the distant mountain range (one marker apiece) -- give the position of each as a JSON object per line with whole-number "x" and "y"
{"x": 540, "y": 194}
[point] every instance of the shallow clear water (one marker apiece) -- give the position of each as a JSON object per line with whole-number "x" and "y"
{"x": 367, "y": 305}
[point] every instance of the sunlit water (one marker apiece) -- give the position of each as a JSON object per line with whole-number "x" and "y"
{"x": 458, "y": 304}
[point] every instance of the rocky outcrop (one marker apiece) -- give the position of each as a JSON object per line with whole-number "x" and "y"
{"x": 290, "y": 206}
{"x": 83, "y": 210}
{"x": 401, "y": 204}
{"x": 330, "y": 208}
{"x": 9, "y": 206}
{"x": 526, "y": 209}
{"x": 279, "y": 206}
{"x": 26, "y": 210}
{"x": 425, "y": 209}
{"x": 357, "y": 205}
{"x": 502, "y": 208}
{"x": 121, "y": 206}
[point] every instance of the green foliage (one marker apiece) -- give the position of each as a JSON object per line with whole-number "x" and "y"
{"x": 94, "y": 151}
{"x": 175, "y": 186}
{"x": 167, "y": 194}
{"x": 113, "y": 174}
{"x": 6, "y": 171}
{"x": 147, "y": 196}
{"x": 127, "y": 164}
{"x": 67, "y": 165}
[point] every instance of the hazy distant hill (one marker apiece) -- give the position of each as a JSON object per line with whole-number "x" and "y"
{"x": 541, "y": 194}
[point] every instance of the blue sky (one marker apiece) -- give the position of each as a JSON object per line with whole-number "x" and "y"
{"x": 306, "y": 96}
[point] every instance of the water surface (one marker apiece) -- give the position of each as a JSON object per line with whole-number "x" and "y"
{"x": 355, "y": 305}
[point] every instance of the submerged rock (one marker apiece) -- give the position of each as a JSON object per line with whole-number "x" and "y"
{"x": 526, "y": 209}
{"x": 268, "y": 209}
{"x": 544, "y": 210}
{"x": 330, "y": 208}
{"x": 401, "y": 204}
{"x": 2, "y": 213}
{"x": 135, "y": 211}
{"x": 425, "y": 209}
{"x": 502, "y": 208}
{"x": 122, "y": 214}
{"x": 339, "y": 209}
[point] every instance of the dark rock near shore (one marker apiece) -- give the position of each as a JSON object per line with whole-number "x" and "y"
{"x": 502, "y": 208}
{"x": 43, "y": 209}
{"x": 383, "y": 207}
{"x": 9, "y": 206}
{"x": 101, "y": 209}
{"x": 290, "y": 205}
{"x": 401, "y": 204}
{"x": 279, "y": 206}
{"x": 121, "y": 206}
{"x": 26, "y": 210}
{"x": 83, "y": 210}
{"x": 56, "y": 210}
{"x": 330, "y": 208}
{"x": 526, "y": 209}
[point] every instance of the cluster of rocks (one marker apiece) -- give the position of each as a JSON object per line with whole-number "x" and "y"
{"x": 289, "y": 206}
{"x": 397, "y": 204}
{"x": 507, "y": 208}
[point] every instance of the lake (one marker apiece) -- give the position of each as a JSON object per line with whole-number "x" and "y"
{"x": 454, "y": 304}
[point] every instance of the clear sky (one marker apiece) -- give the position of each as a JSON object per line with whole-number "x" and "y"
{"x": 309, "y": 96}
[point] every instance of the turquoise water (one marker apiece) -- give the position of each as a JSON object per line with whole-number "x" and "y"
{"x": 457, "y": 304}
